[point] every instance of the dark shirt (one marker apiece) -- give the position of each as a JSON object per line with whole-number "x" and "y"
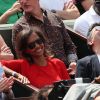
{"x": 88, "y": 67}
{"x": 54, "y": 30}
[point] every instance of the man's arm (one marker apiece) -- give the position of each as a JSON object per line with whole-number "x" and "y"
{"x": 69, "y": 46}
{"x": 70, "y": 11}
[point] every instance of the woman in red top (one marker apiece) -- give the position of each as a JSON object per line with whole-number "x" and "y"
{"x": 36, "y": 65}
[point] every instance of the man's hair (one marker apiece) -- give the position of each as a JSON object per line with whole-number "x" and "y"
{"x": 89, "y": 36}
{"x": 91, "y": 28}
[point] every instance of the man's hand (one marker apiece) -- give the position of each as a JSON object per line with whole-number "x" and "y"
{"x": 72, "y": 68}
{"x": 69, "y": 5}
{"x": 96, "y": 80}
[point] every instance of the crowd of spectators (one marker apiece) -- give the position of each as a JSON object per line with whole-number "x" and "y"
{"x": 44, "y": 49}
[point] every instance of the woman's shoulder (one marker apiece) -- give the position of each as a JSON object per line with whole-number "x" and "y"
{"x": 15, "y": 61}
{"x": 56, "y": 60}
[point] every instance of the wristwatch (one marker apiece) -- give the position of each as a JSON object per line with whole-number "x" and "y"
{"x": 54, "y": 11}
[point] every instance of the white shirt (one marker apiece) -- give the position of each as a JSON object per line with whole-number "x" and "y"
{"x": 53, "y": 4}
{"x": 83, "y": 23}
{"x": 98, "y": 58}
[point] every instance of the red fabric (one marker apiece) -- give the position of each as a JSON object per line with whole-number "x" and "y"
{"x": 40, "y": 76}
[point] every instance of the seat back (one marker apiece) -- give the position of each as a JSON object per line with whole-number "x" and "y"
{"x": 80, "y": 43}
{"x": 6, "y": 33}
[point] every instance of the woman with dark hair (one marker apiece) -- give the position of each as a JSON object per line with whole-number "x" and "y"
{"x": 39, "y": 67}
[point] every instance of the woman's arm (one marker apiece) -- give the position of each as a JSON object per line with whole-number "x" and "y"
{"x": 10, "y": 72}
{"x": 15, "y": 8}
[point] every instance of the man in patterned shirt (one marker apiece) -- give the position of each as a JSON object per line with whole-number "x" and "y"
{"x": 52, "y": 27}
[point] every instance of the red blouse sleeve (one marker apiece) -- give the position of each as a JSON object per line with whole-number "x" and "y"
{"x": 13, "y": 64}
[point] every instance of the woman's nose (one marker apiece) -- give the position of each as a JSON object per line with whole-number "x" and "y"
{"x": 37, "y": 45}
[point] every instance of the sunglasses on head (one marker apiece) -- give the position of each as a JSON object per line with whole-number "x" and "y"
{"x": 32, "y": 45}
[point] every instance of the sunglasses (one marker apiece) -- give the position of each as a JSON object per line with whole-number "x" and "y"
{"x": 32, "y": 45}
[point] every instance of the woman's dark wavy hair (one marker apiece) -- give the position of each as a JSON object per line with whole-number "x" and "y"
{"x": 21, "y": 43}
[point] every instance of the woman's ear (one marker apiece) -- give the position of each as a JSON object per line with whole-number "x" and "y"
{"x": 89, "y": 41}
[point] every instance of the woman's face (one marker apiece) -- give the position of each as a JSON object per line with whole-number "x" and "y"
{"x": 35, "y": 45}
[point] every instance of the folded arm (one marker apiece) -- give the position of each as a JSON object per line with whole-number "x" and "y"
{"x": 5, "y": 52}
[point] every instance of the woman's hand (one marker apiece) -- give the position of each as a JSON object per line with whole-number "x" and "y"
{"x": 23, "y": 79}
{"x": 6, "y": 84}
{"x": 15, "y": 8}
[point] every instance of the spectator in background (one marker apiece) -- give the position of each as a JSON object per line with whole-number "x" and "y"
{"x": 40, "y": 68}
{"x": 64, "y": 8}
{"x": 89, "y": 67}
{"x": 9, "y": 14}
{"x": 53, "y": 29}
{"x": 5, "y": 52}
{"x": 90, "y": 17}
{"x": 83, "y": 5}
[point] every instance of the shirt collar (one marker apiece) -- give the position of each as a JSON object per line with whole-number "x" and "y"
{"x": 92, "y": 11}
{"x": 29, "y": 16}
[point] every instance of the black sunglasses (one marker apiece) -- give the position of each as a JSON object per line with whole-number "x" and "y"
{"x": 32, "y": 45}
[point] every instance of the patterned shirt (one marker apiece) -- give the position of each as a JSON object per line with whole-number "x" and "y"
{"x": 55, "y": 32}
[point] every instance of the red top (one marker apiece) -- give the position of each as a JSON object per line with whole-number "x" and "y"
{"x": 39, "y": 76}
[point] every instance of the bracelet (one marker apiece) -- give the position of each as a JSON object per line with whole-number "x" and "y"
{"x": 14, "y": 74}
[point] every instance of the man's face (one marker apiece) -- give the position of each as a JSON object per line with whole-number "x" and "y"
{"x": 96, "y": 36}
{"x": 28, "y": 5}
